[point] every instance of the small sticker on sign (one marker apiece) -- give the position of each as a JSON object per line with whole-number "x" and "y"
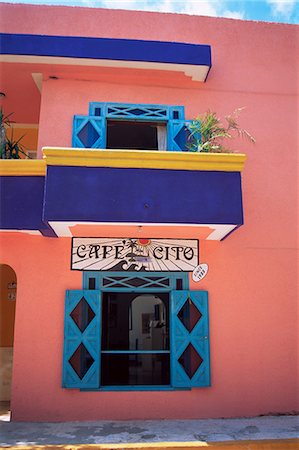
{"x": 200, "y": 272}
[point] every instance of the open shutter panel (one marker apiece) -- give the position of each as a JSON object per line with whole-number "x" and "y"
{"x": 178, "y": 135}
{"x": 82, "y": 322}
{"x": 89, "y": 132}
{"x": 190, "y": 365}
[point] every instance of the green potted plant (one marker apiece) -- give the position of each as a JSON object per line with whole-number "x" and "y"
{"x": 208, "y": 132}
{"x": 9, "y": 147}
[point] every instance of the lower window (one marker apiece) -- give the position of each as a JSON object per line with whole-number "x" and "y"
{"x": 129, "y": 340}
{"x": 135, "y": 339}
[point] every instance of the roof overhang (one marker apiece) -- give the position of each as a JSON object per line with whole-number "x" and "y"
{"x": 194, "y": 60}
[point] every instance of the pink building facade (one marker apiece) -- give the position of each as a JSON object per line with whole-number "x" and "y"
{"x": 149, "y": 281}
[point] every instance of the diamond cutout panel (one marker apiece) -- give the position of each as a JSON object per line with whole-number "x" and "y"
{"x": 190, "y": 360}
{"x": 137, "y": 282}
{"x": 182, "y": 137}
{"x": 126, "y": 111}
{"x": 157, "y": 112}
{"x": 88, "y": 135}
{"x": 137, "y": 112}
{"x": 81, "y": 361}
{"x": 82, "y": 315}
{"x": 189, "y": 315}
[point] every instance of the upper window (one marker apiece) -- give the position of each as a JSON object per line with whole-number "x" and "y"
{"x": 136, "y": 135}
{"x": 131, "y": 126}
{"x": 136, "y": 330}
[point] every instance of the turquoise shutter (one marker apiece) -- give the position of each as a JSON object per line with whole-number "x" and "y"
{"x": 190, "y": 362}
{"x": 89, "y": 132}
{"x": 82, "y": 331}
{"x": 180, "y": 136}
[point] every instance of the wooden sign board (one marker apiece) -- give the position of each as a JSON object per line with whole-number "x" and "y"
{"x": 140, "y": 254}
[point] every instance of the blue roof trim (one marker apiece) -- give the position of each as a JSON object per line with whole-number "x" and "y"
{"x": 99, "y": 194}
{"x": 106, "y": 48}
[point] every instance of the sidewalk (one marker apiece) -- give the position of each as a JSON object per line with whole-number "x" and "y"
{"x": 267, "y": 432}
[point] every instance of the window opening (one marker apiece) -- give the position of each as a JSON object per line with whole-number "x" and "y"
{"x": 136, "y": 135}
{"x": 179, "y": 284}
{"x": 135, "y": 339}
{"x": 92, "y": 283}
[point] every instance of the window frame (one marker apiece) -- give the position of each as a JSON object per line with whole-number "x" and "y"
{"x": 177, "y": 127}
{"x": 178, "y": 293}
{"x": 99, "y": 276}
{"x": 172, "y": 276}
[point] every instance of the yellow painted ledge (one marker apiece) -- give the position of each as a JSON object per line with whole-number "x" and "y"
{"x": 22, "y": 167}
{"x": 272, "y": 444}
{"x": 228, "y": 162}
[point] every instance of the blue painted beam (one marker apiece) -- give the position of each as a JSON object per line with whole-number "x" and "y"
{"x": 99, "y": 194}
{"x": 105, "y": 48}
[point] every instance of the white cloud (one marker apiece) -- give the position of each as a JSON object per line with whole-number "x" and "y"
{"x": 214, "y": 8}
{"x": 120, "y": 4}
{"x": 201, "y": 8}
{"x": 88, "y": 3}
{"x": 233, "y": 14}
{"x": 282, "y": 7}
{"x": 193, "y": 7}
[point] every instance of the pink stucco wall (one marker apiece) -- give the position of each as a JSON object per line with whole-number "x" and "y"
{"x": 252, "y": 281}
{"x": 252, "y": 324}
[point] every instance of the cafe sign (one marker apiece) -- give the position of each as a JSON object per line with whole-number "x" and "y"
{"x": 140, "y": 254}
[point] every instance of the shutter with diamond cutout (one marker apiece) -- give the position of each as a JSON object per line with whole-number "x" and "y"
{"x": 190, "y": 358}
{"x": 178, "y": 135}
{"x": 82, "y": 322}
{"x": 89, "y": 132}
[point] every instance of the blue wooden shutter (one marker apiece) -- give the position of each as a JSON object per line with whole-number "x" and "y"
{"x": 190, "y": 364}
{"x": 82, "y": 330}
{"x": 89, "y": 132}
{"x": 178, "y": 135}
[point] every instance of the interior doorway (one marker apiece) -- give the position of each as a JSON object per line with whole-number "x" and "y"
{"x": 136, "y": 135}
{"x": 8, "y": 292}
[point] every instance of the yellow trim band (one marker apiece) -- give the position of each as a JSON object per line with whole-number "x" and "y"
{"x": 227, "y": 162}
{"x": 22, "y": 167}
{"x": 144, "y": 159}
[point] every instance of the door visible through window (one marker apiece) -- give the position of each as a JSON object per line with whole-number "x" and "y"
{"x": 135, "y": 339}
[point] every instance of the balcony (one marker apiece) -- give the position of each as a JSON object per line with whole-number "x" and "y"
{"x": 71, "y": 190}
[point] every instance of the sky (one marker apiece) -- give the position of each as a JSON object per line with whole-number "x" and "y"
{"x": 285, "y": 11}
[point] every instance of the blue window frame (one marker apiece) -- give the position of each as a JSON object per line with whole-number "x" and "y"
{"x": 91, "y": 131}
{"x": 89, "y": 361}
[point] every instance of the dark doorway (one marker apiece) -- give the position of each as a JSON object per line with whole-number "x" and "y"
{"x": 135, "y": 339}
{"x": 132, "y": 135}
